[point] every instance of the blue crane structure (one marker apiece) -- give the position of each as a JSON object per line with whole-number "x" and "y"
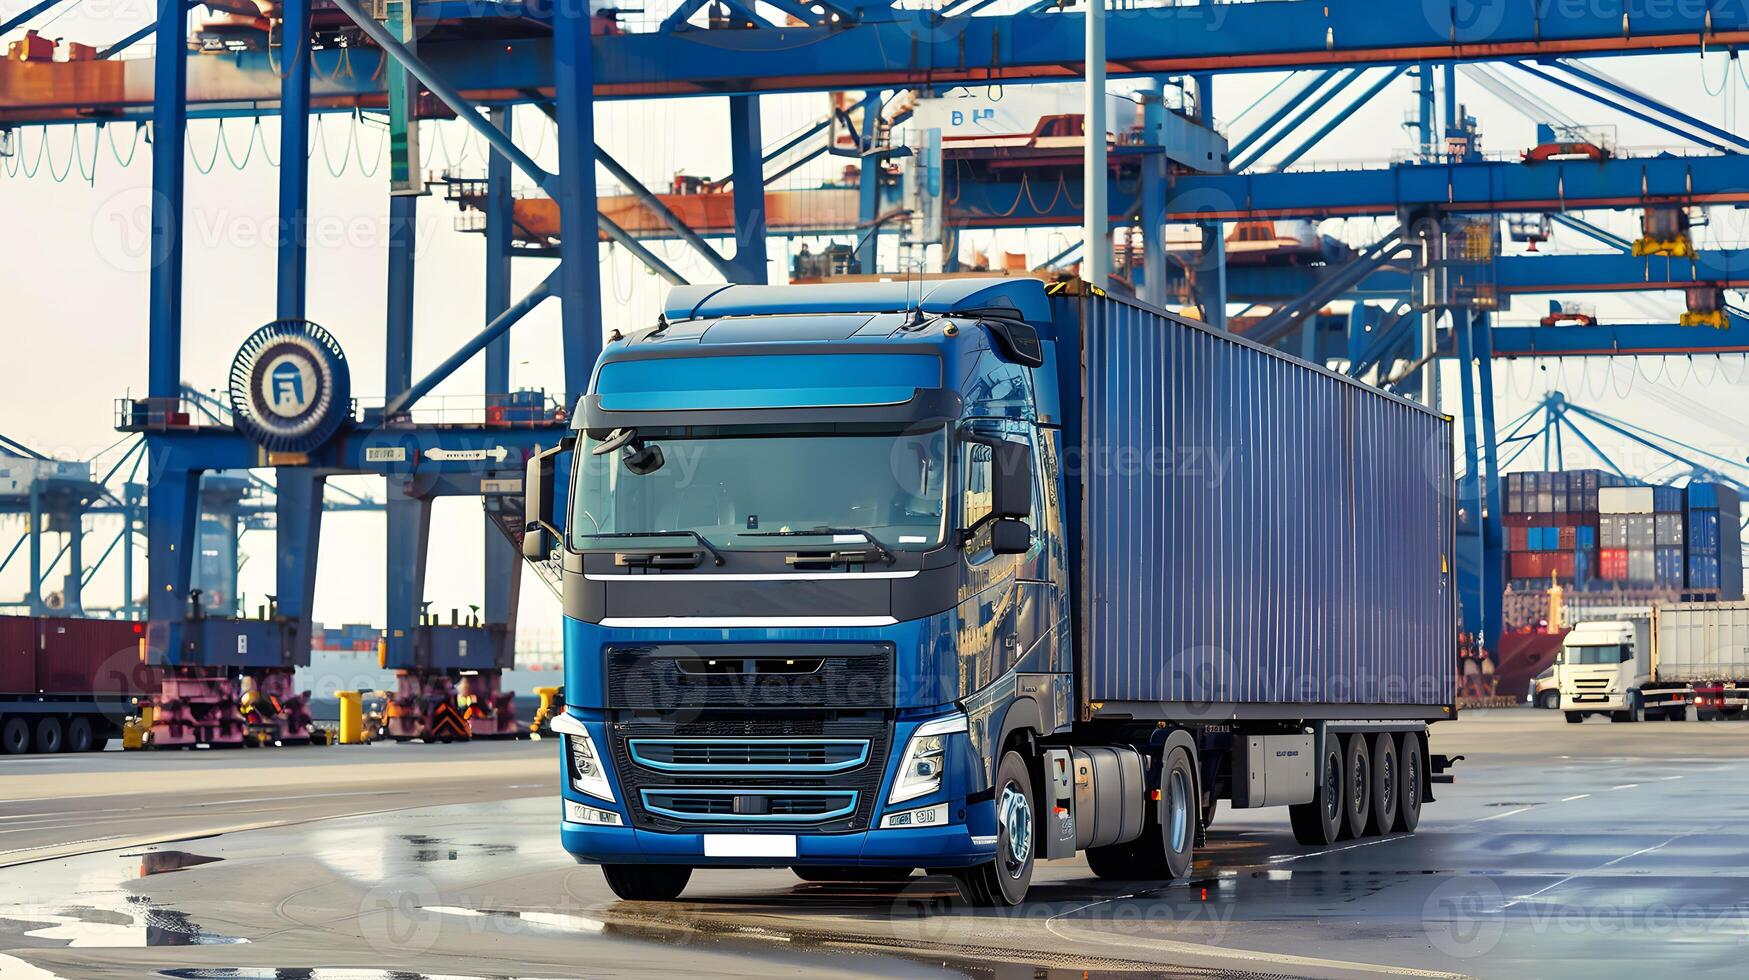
{"x": 1426, "y": 290}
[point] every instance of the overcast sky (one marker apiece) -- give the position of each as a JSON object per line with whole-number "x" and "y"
{"x": 74, "y": 287}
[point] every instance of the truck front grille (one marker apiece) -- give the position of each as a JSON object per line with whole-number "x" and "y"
{"x": 792, "y": 755}
{"x": 750, "y": 804}
{"x": 816, "y": 774}
{"x": 674, "y": 676}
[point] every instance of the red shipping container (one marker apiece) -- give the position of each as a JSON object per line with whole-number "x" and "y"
{"x": 17, "y": 655}
{"x": 92, "y": 656}
{"x": 1541, "y": 564}
{"x": 1569, "y": 538}
{"x": 1518, "y": 539}
{"x": 1612, "y": 564}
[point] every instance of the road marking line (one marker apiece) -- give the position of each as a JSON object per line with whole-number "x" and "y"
{"x": 1508, "y": 813}
{"x": 1625, "y": 786}
{"x": 1228, "y": 953}
{"x": 1290, "y": 858}
{"x": 1609, "y": 863}
{"x": 1581, "y": 796}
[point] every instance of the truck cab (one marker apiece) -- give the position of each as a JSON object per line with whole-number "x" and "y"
{"x": 1601, "y": 668}
{"x": 809, "y": 561}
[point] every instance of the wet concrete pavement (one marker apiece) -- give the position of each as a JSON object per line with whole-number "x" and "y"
{"x": 1591, "y": 850}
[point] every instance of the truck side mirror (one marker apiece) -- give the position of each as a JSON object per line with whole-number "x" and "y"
{"x": 537, "y": 502}
{"x": 1011, "y": 479}
{"x": 1009, "y": 536}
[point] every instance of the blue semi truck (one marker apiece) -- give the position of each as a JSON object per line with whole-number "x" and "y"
{"x": 960, "y": 575}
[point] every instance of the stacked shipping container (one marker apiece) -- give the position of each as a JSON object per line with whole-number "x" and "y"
{"x": 1593, "y": 530}
{"x": 1641, "y": 530}
{"x": 1551, "y": 527}
{"x": 1715, "y": 551}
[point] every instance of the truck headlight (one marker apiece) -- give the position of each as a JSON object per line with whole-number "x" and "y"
{"x": 925, "y": 758}
{"x": 582, "y": 761}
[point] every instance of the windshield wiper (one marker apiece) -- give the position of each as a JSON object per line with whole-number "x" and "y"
{"x": 716, "y": 555}
{"x": 881, "y": 549}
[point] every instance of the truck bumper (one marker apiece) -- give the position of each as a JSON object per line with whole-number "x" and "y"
{"x": 953, "y": 845}
{"x": 1594, "y": 702}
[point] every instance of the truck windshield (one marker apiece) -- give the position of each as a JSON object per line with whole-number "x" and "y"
{"x": 1594, "y": 655}
{"x": 735, "y": 488}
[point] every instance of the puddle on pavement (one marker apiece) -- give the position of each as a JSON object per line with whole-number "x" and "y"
{"x": 86, "y": 903}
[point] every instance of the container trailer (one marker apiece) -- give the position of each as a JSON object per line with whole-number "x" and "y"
{"x": 67, "y": 684}
{"x": 1680, "y": 660}
{"x": 965, "y": 574}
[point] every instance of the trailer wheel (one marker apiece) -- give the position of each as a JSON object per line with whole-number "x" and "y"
{"x": 1004, "y": 881}
{"x": 646, "y": 882}
{"x": 50, "y": 736}
{"x": 1319, "y": 822}
{"x": 1574, "y": 717}
{"x": 1356, "y": 785}
{"x": 1387, "y": 778}
{"x": 15, "y": 736}
{"x": 1413, "y": 783}
{"x": 79, "y": 734}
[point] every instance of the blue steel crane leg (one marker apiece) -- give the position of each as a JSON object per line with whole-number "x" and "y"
{"x": 169, "y": 129}
{"x": 579, "y": 284}
{"x": 409, "y": 532}
{"x": 72, "y": 591}
{"x": 1473, "y": 585}
{"x": 297, "y": 509}
{"x": 172, "y": 510}
{"x": 1211, "y": 279}
{"x": 398, "y": 351}
{"x": 1493, "y": 492}
{"x": 1153, "y": 214}
{"x": 503, "y": 570}
{"x": 36, "y": 550}
{"x": 748, "y": 159}
{"x": 868, "y": 252}
{"x": 294, "y": 157}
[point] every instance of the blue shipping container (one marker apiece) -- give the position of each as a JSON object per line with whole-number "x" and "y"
{"x": 1288, "y": 538}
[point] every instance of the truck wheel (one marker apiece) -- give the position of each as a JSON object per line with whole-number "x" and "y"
{"x": 1386, "y": 776}
{"x": 853, "y": 874}
{"x": 79, "y": 734}
{"x": 646, "y": 882}
{"x": 1004, "y": 881}
{"x": 1320, "y": 822}
{"x": 15, "y": 736}
{"x": 1409, "y": 788}
{"x": 1179, "y": 812}
{"x": 1549, "y": 700}
{"x": 1574, "y": 717}
{"x": 50, "y": 736}
{"x": 1356, "y": 785}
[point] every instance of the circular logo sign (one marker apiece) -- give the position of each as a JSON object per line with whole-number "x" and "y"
{"x": 290, "y": 388}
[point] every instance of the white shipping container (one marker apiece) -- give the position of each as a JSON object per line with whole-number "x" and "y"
{"x": 1625, "y": 500}
{"x": 1702, "y": 641}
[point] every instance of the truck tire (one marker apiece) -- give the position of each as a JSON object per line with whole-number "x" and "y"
{"x": 1413, "y": 765}
{"x": 50, "y": 736}
{"x": 15, "y": 736}
{"x": 1549, "y": 700}
{"x": 828, "y": 875}
{"x": 1179, "y": 812}
{"x": 1574, "y": 717}
{"x": 79, "y": 737}
{"x": 1356, "y": 785}
{"x": 1003, "y": 882}
{"x": 646, "y": 882}
{"x": 1387, "y": 778}
{"x": 1319, "y": 822}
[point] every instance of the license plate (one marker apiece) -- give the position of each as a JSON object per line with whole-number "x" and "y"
{"x": 750, "y": 845}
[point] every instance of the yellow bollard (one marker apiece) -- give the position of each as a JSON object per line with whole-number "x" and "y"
{"x": 351, "y": 718}
{"x": 134, "y": 734}
{"x": 549, "y": 702}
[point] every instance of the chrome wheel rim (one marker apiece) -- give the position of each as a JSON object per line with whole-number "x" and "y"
{"x": 1178, "y": 810}
{"x": 1015, "y": 814}
{"x": 1333, "y": 788}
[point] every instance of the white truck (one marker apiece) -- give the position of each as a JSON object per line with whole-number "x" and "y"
{"x": 1682, "y": 659}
